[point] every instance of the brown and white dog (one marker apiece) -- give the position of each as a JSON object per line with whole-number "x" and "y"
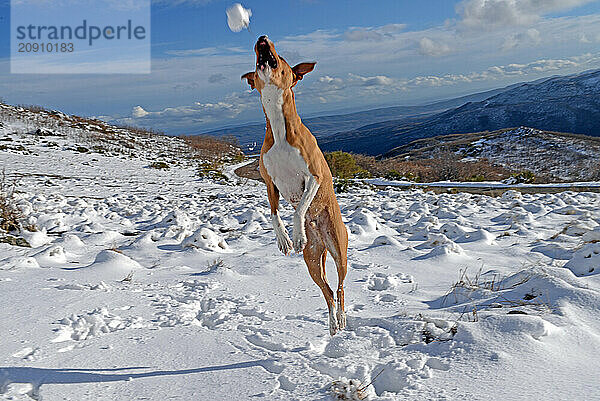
{"x": 292, "y": 165}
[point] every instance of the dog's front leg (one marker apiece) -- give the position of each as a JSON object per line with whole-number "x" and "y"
{"x": 299, "y": 236}
{"x": 283, "y": 240}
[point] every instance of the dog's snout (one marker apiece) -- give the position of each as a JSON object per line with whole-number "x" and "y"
{"x": 263, "y": 41}
{"x": 264, "y": 53}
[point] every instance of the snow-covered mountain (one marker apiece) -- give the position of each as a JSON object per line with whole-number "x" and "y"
{"x": 564, "y": 104}
{"x": 159, "y": 283}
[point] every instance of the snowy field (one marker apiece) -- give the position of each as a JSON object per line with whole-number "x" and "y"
{"x": 146, "y": 284}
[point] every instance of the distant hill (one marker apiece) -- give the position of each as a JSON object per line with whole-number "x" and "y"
{"x": 567, "y": 104}
{"x": 57, "y": 130}
{"x": 250, "y": 136}
{"x": 554, "y": 155}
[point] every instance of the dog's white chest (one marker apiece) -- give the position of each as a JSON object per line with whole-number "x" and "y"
{"x": 288, "y": 170}
{"x": 284, "y": 163}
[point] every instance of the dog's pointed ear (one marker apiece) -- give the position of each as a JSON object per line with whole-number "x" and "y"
{"x": 249, "y": 76}
{"x": 302, "y": 69}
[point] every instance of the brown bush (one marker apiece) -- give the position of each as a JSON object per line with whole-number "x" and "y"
{"x": 215, "y": 149}
{"x": 444, "y": 166}
{"x": 594, "y": 174}
{"x": 10, "y": 215}
{"x": 368, "y": 163}
{"x": 139, "y": 130}
{"x": 34, "y": 108}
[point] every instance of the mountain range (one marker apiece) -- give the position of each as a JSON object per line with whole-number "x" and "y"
{"x": 565, "y": 104}
{"x": 251, "y": 135}
{"x": 561, "y": 103}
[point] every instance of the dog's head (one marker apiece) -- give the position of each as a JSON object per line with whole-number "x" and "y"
{"x": 273, "y": 69}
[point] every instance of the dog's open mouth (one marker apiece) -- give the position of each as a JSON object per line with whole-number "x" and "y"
{"x": 264, "y": 55}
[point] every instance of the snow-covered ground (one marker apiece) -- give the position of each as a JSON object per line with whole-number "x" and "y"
{"x": 148, "y": 284}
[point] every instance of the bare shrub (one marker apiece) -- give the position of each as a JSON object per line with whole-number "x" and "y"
{"x": 214, "y": 149}
{"x": 10, "y": 215}
{"x": 142, "y": 131}
{"x": 595, "y": 172}
{"x": 444, "y": 166}
{"x": 159, "y": 165}
{"x": 368, "y": 163}
{"x": 34, "y": 108}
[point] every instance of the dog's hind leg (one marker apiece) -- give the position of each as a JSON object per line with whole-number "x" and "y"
{"x": 314, "y": 256}
{"x": 335, "y": 238}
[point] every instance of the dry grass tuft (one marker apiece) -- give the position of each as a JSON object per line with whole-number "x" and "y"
{"x": 466, "y": 286}
{"x": 10, "y": 215}
{"x": 114, "y": 248}
{"x": 128, "y": 278}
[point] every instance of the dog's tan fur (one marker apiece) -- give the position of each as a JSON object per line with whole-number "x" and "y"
{"x": 323, "y": 226}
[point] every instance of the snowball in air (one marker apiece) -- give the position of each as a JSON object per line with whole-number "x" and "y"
{"x": 238, "y": 17}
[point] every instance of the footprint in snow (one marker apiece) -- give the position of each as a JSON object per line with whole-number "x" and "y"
{"x": 382, "y": 281}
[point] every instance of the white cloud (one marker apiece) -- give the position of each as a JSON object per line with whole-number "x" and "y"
{"x": 362, "y": 34}
{"x": 376, "y": 80}
{"x": 186, "y": 117}
{"x": 358, "y": 34}
{"x": 510, "y": 70}
{"x": 331, "y": 80}
{"x": 492, "y": 14}
{"x": 205, "y": 51}
{"x": 208, "y": 51}
{"x": 390, "y": 29}
{"x": 428, "y": 47}
{"x": 332, "y": 89}
{"x": 350, "y": 81}
{"x": 530, "y": 37}
{"x": 337, "y": 87}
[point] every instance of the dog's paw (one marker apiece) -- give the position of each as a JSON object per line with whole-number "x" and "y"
{"x": 299, "y": 240}
{"x": 341, "y": 318}
{"x": 333, "y": 323}
{"x": 285, "y": 244}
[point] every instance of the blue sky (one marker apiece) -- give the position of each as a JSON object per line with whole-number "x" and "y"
{"x": 369, "y": 54}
